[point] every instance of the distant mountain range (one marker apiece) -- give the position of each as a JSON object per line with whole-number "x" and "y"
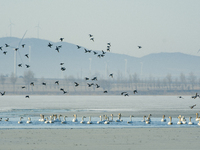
{"x": 45, "y": 61}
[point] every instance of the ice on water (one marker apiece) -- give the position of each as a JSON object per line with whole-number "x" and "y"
{"x": 13, "y": 107}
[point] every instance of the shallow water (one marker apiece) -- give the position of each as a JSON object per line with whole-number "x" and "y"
{"x": 13, "y": 107}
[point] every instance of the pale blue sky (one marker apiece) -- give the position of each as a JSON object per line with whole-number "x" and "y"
{"x": 156, "y": 25}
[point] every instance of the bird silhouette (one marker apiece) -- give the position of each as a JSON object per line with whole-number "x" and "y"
{"x": 23, "y": 45}
{"x": 1, "y": 48}
{"x": 61, "y": 63}
{"x": 23, "y": 87}
{"x": 105, "y": 91}
{"x": 32, "y": 83}
{"x": 27, "y": 96}
{"x": 126, "y": 94}
{"x": 78, "y": 46}
{"x": 95, "y": 78}
{"x": 19, "y": 65}
{"x": 2, "y": 94}
{"x": 57, "y": 49}
{"x": 89, "y": 85}
{"x": 86, "y": 78}
{"x": 135, "y": 91}
{"x": 43, "y": 83}
{"x": 95, "y": 52}
{"x": 61, "y": 39}
{"x": 7, "y": 45}
{"x": 92, "y": 39}
{"x": 16, "y": 49}
{"x": 5, "y": 52}
{"x": 192, "y": 106}
{"x": 111, "y": 75}
{"x": 64, "y": 92}
{"x": 63, "y": 68}
{"x": 61, "y": 89}
{"x": 139, "y": 47}
{"x": 50, "y": 45}
{"x": 98, "y": 86}
{"x": 27, "y": 66}
{"x": 90, "y": 35}
{"x": 26, "y": 55}
{"x": 57, "y": 82}
{"x": 76, "y": 84}
{"x": 103, "y": 52}
{"x": 122, "y": 93}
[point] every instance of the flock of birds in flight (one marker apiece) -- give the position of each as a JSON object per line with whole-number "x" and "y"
{"x": 57, "y": 48}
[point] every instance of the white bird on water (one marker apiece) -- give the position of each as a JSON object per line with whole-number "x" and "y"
{"x": 100, "y": 121}
{"x": 111, "y": 118}
{"x": 29, "y": 120}
{"x": 82, "y": 121}
{"x": 47, "y": 120}
{"x": 119, "y": 118}
{"x": 179, "y": 121}
{"x": 130, "y": 119}
{"x": 163, "y": 119}
{"x": 89, "y": 122}
{"x": 75, "y": 118}
{"x": 143, "y": 119}
{"x": 190, "y": 122}
{"x": 42, "y": 118}
{"x": 197, "y": 118}
{"x": 170, "y": 121}
{"x": 51, "y": 119}
{"x": 57, "y": 119}
{"x": 107, "y": 121}
{"x": 64, "y": 120}
{"x": 20, "y": 120}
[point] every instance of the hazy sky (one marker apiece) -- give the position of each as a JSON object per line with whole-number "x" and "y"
{"x": 156, "y": 25}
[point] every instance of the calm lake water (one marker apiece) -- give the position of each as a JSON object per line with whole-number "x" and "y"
{"x": 13, "y": 107}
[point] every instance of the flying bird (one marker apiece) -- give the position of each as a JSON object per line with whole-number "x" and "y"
{"x": 26, "y": 55}
{"x": 126, "y": 94}
{"x": 23, "y": 87}
{"x": 78, "y": 46}
{"x": 192, "y": 106}
{"x": 95, "y": 52}
{"x": 19, "y": 65}
{"x": 61, "y": 89}
{"x": 27, "y": 66}
{"x": 103, "y": 52}
{"x": 32, "y": 83}
{"x": 57, "y": 82}
{"x": 5, "y": 52}
{"x": 61, "y": 39}
{"x": 122, "y": 93}
{"x": 50, "y": 45}
{"x": 98, "y": 86}
{"x": 23, "y": 45}
{"x": 105, "y": 91}
{"x": 27, "y": 96}
{"x": 43, "y": 83}
{"x": 76, "y": 84}
{"x": 63, "y": 68}
{"x": 61, "y": 63}
{"x": 90, "y": 35}
{"x": 64, "y": 92}
{"x": 135, "y": 91}
{"x": 7, "y": 45}
{"x": 92, "y": 39}
{"x": 139, "y": 47}
{"x": 16, "y": 49}
{"x": 111, "y": 75}
{"x": 2, "y": 94}
{"x": 1, "y": 48}
{"x": 86, "y": 78}
{"x": 57, "y": 49}
{"x": 95, "y": 78}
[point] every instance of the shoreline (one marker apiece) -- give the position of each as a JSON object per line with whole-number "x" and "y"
{"x": 109, "y": 138}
